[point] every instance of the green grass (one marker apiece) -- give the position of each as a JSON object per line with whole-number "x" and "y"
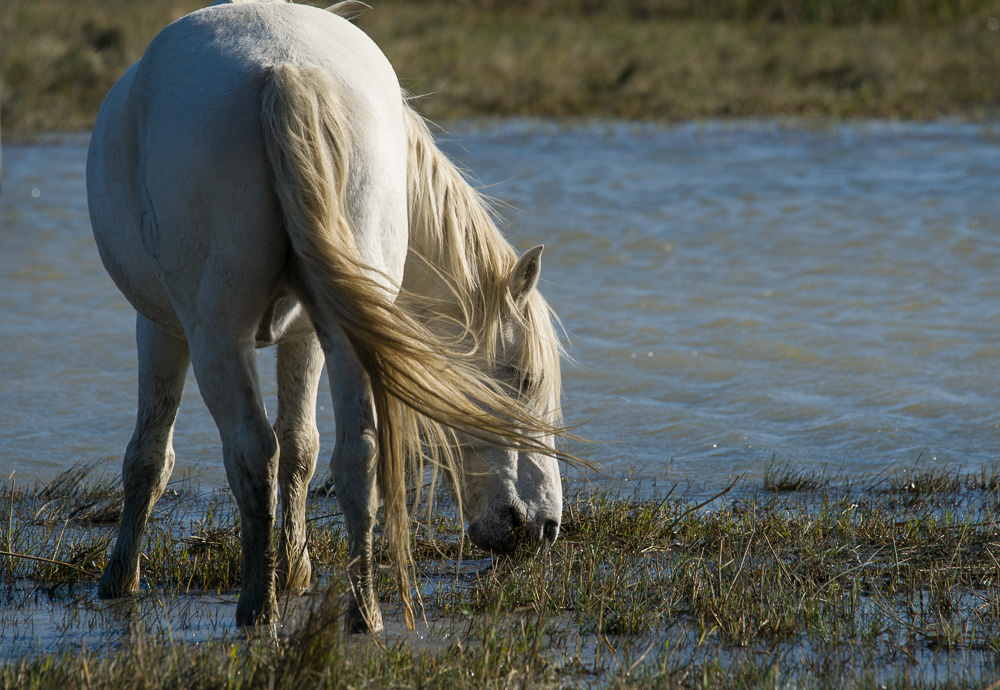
{"x": 887, "y": 581}
{"x": 675, "y": 70}
{"x": 652, "y": 59}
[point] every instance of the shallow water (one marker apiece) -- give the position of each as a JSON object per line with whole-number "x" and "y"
{"x": 733, "y": 293}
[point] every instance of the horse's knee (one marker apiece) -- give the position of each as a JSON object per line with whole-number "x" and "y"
{"x": 355, "y": 453}
{"x": 251, "y": 460}
{"x": 353, "y": 467}
{"x": 147, "y": 467}
{"x": 302, "y": 443}
{"x": 257, "y": 441}
{"x": 298, "y": 455}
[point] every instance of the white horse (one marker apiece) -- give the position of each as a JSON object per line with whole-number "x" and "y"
{"x": 258, "y": 179}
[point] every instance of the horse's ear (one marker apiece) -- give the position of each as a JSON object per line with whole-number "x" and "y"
{"x": 524, "y": 278}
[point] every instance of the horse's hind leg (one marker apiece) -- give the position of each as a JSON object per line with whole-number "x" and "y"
{"x": 149, "y": 459}
{"x": 226, "y": 370}
{"x": 353, "y": 467}
{"x": 300, "y": 364}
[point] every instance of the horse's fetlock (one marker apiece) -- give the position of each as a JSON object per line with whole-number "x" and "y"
{"x": 251, "y": 613}
{"x": 117, "y": 582}
{"x": 294, "y": 570}
{"x": 361, "y": 618}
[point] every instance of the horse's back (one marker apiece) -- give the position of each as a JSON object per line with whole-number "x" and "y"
{"x": 196, "y": 216}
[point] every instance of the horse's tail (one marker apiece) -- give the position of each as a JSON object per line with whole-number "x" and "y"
{"x": 424, "y": 388}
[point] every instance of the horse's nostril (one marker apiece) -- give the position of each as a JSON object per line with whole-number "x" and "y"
{"x": 516, "y": 519}
{"x": 550, "y": 530}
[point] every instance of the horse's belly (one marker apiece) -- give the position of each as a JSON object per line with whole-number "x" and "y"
{"x": 283, "y": 320}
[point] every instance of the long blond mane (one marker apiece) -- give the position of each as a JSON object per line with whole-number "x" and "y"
{"x": 456, "y": 282}
{"x": 457, "y": 254}
{"x": 429, "y": 384}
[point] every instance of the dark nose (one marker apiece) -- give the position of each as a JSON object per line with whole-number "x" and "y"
{"x": 550, "y": 530}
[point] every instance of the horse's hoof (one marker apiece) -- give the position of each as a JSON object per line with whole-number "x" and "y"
{"x": 249, "y": 615}
{"x": 109, "y": 587}
{"x": 356, "y": 622}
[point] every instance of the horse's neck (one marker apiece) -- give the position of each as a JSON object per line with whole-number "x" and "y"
{"x": 432, "y": 296}
{"x": 456, "y": 253}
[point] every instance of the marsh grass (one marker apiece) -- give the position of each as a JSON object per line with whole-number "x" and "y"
{"x": 806, "y": 580}
{"x": 652, "y": 59}
{"x": 795, "y": 12}
{"x": 478, "y": 58}
{"x": 781, "y": 477}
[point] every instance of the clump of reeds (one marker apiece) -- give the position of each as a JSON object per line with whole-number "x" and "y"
{"x": 783, "y": 477}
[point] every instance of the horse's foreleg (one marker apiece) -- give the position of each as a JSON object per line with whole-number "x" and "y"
{"x": 300, "y": 364}
{"x": 227, "y": 376}
{"x": 149, "y": 459}
{"x": 353, "y": 468}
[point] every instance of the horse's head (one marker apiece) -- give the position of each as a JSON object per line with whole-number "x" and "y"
{"x": 507, "y": 493}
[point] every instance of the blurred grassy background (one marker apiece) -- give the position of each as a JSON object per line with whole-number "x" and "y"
{"x": 663, "y": 59}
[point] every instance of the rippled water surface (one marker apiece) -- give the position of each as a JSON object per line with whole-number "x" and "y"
{"x": 733, "y": 293}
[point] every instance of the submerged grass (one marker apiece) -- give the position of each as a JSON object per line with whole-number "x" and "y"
{"x": 626, "y": 58}
{"x": 888, "y": 582}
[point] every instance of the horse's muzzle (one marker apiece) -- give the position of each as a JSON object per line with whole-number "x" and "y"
{"x": 508, "y": 529}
